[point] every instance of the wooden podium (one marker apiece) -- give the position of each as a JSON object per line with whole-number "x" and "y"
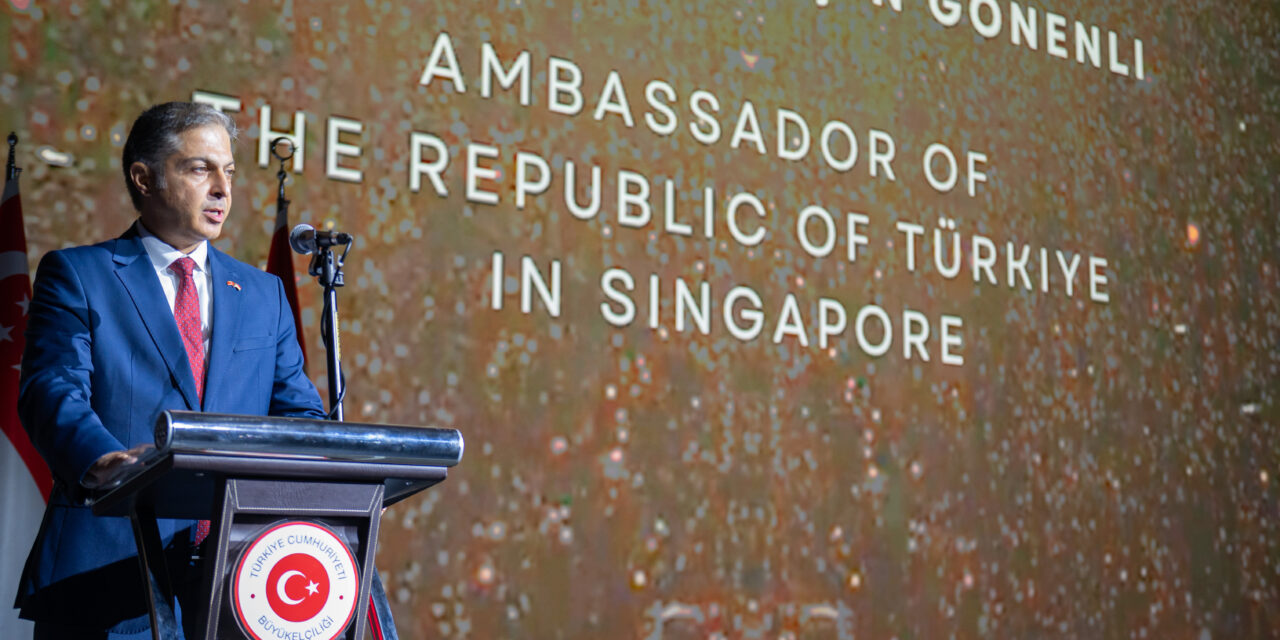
{"x": 294, "y": 507}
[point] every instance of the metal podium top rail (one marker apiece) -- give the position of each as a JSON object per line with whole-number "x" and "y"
{"x": 195, "y": 452}
{"x": 300, "y": 438}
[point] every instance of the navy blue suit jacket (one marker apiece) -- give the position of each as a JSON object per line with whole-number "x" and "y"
{"x": 103, "y": 358}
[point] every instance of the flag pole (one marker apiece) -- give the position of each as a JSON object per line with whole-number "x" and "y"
{"x": 11, "y": 169}
{"x": 282, "y": 203}
{"x": 279, "y": 256}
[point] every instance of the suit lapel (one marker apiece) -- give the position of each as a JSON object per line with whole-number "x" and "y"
{"x": 227, "y": 306}
{"x": 136, "y": 273}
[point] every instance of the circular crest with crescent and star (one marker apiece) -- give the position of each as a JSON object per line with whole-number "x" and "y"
{"x": 295, "y": 580}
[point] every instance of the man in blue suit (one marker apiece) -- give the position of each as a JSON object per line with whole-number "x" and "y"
{"x": 120, "y": 331}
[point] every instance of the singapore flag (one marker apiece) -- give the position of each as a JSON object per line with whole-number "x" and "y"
{"x": 24, "y": 478}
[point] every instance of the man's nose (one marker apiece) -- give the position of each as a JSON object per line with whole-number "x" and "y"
{"x": 221, "y": 185}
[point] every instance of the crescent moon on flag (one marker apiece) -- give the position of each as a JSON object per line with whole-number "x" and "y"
{"x": 280, "y": 586}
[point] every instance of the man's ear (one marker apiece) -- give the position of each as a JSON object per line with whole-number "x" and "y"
{"x": 143, "y": 179}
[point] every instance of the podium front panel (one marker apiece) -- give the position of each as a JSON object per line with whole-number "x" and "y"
{"x": 296, "y": 578}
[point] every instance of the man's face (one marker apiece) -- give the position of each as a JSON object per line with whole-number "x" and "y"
{"x": 196, "y": 195}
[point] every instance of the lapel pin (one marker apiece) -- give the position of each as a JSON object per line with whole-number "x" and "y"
{"x": 232, "y": 283}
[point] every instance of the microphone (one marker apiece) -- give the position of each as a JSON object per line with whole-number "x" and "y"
{"x": 306, "y": 239}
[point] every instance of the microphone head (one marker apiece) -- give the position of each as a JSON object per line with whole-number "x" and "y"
{"x": 303, "y": 239}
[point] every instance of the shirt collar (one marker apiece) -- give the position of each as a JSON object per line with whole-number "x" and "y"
{"x": 162, "y": 255}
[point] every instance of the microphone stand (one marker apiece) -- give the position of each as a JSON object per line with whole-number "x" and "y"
{"x": 327, "y": 269}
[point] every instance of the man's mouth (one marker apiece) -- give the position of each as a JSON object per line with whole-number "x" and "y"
{"x": 216, "y": 214}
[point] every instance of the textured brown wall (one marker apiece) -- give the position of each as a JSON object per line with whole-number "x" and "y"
{"x": 1091, "y": 470}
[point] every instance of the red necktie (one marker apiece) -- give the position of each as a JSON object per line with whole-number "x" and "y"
{"x": 186, "y": 312}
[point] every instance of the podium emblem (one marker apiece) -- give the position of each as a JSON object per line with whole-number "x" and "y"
{"x": 296, "y": 579}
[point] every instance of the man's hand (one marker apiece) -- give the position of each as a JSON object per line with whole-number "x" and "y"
{"x": 112, "y": 465}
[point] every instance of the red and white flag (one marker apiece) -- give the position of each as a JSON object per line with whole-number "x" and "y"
{"x": 24, "y": 478}
{"x": 280, "y": 262}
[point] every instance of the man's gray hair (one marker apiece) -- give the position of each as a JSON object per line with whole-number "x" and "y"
{"x": 154, "y": 137}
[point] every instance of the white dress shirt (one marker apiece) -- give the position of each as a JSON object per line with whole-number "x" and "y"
{"x": 162, "y": 255}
